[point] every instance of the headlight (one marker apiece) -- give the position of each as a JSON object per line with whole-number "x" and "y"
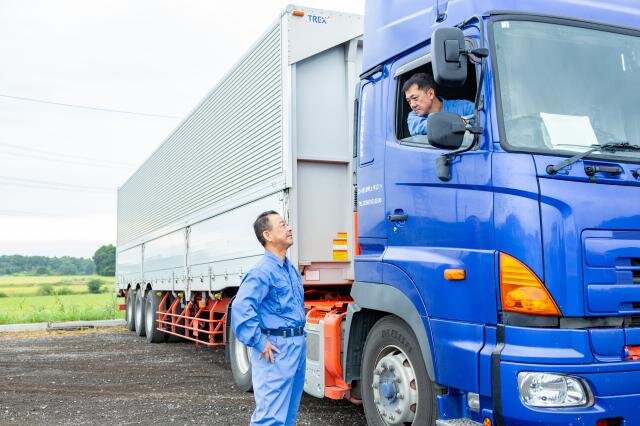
{"x": 552, "y": 390}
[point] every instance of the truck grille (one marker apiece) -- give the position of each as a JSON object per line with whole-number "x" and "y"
{"x": 611, "y": 271}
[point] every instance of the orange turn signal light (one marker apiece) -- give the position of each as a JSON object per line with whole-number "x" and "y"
{"x": 486, "y": 421}
{"x": 297, "y": 13}
{"x": 454, "y": 274}
{"x": 521, "y": 291}
{"x": 633, "y": 353}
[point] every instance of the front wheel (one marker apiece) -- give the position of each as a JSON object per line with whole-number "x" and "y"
{"x": 396, "y": 389}
{"x": 240, "y": 360}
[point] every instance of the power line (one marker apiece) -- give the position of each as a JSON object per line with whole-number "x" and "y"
{"x": 91, "y": 108}
{"x": 56, "y": 186}
{"x": 59, "y": 160}
{"x": 25, "y": 213}
{"x": 71, "y": 156}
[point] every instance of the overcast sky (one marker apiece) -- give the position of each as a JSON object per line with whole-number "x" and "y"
{"x": 88, "y": 89}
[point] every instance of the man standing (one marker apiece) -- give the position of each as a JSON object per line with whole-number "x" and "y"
{"x": 420, "y": 93}
{"x": 268, "y": 316}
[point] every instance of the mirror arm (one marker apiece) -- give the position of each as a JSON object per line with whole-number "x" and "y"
{"x": 443, "y": 162}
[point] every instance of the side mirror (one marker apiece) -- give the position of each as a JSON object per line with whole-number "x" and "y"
{"x": 449, "y": 62}
{"x": 446, "y": 130}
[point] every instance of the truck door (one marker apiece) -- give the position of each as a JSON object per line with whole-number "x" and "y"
{"x": 434, "y": 225}
{"x": 370, "y": 172}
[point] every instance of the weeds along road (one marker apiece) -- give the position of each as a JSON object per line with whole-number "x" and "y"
{"x": 109, "y": 376}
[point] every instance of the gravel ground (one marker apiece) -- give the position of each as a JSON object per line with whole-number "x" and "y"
{"x": 110, "y": 376}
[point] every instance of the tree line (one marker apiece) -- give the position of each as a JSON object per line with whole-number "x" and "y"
{"x": 102, "y": 263}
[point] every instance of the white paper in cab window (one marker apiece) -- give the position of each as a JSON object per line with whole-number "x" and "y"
{"x": 569, "y": 131}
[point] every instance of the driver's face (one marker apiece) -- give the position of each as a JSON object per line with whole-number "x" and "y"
{"x": 420, "y": 101}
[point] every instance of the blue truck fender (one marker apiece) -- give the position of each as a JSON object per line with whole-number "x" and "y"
{"x": 372, "y": 302}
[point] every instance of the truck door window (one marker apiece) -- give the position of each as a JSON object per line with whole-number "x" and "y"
{"x": 467, "y": 91}
{"x": 366, "y": 124}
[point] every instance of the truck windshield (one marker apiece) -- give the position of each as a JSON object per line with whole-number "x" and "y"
{"x": 564, "y": 88}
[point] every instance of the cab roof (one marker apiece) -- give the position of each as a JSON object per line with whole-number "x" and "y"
{"x": 395, "y": 26}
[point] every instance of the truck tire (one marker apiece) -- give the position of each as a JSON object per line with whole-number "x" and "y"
{"x": 396, "y": 389}
{"x": 240, "y": 360}
{"x": 130, "y": 313}
{"x": 139, "y": 313}
{"x": 153, "y": 334}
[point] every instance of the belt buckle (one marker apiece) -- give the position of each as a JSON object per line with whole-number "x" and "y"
{"x": 287, "y": 331}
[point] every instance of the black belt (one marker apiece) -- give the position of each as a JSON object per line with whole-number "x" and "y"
{"x": 284, "y": 332}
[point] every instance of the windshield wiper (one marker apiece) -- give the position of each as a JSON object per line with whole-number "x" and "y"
{"x": 608, "y": 147}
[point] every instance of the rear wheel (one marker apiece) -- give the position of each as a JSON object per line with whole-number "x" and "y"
{"x": 131, "y": 309}
{"x": 240, "y": 359}
{"x": 139, "y": 312}
{"x": 153, "y": 334}
{"x": 396, "y": 389}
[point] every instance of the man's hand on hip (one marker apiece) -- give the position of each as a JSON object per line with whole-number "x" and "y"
{"x": 268, "y": 354}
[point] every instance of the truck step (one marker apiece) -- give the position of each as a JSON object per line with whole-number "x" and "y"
{"x": 457, "y": 422}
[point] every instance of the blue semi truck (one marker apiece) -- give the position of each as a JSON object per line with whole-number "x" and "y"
{"x": 487, "y": 273}
{"x": 510, "y": 247}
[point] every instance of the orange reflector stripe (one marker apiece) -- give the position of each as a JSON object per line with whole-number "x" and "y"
{"x": 340, "y": 247}
{"x": 340, "y": 255}
{"x": 521, "y": 291}
{"x": 297, "y": 13}
{"x": 454, "y": 274}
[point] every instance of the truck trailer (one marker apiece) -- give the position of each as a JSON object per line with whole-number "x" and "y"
{"x": 275, "y": 133}
{"x": 486, "y": 273}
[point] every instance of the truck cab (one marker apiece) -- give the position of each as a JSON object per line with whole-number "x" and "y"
{"x": 498, "y": 279}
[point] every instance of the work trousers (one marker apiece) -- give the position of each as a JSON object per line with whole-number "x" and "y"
{"x": 277, "y": 387}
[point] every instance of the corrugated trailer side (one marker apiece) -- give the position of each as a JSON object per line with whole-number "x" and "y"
{"x": 204, "y": 161}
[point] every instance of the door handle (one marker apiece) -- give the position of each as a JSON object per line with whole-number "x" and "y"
{"x": 398, "y": 217}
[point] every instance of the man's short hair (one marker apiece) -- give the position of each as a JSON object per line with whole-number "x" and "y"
{"x": 423, "y": 80}
{"x": 262, "y": 224}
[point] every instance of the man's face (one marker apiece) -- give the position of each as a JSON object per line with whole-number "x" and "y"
{"x": 280, "y": 234}
{"x": 420, "y": 101}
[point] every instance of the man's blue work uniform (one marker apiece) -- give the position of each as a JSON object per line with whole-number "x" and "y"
{"x": 418, "y": 124}
{"x": 271, "y": 297}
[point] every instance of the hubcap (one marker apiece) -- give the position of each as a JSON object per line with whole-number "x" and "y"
{"x": 394, "y": 388}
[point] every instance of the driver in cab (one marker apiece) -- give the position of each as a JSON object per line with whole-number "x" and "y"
{"x": 420, "y": 93}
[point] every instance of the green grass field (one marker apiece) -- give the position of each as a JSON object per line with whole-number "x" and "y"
{"x": 25, "y": 286}
{"x": 22, "y": 301}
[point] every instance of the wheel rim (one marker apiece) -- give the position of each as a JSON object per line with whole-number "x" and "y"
{"x": 149, "y": 316}
{"x": 130, "y": 301}
{"x": 395, "y": 390}
{"x": 139, "y": 311}
{"x": 243, "y": 362}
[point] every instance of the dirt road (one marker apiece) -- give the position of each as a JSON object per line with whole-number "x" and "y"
{"x": 111, "y": 377}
